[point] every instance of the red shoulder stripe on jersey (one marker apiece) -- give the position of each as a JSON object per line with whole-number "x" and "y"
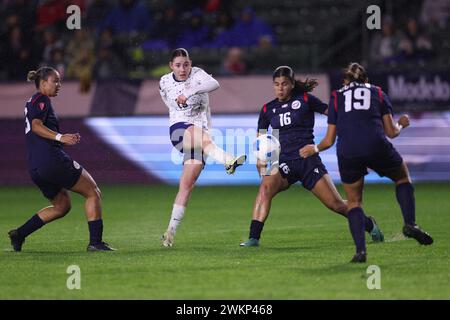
{"x": 37, "y": 97}
{"x": 265, "y": 108}
{"x": 335, "y": 100}
{"x": 305, "y": 96}
{"x": 380, "y": 95}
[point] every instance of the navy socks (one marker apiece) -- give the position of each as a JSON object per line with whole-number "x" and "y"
{"x": 407, "y": 202}
{"x": 95, "y": 231}
{"x": 356, "y": 223}
{"x": 30, "y": 226}
{"x": 256, "y": 229}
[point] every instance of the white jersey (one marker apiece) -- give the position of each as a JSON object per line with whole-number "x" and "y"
{"x": 195, "y": 88}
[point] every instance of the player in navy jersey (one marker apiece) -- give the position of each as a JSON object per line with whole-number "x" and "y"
{"x": 360, "y": 115}
{"x": 52, "y": 169}
{"x": 292, "y": 114}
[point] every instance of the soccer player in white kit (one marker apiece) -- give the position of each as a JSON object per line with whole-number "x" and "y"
{"x": 185, "y": 92}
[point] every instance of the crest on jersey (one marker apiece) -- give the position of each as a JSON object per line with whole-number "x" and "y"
{"x": 41, "y": 105}
{"x": 296, "y": 105}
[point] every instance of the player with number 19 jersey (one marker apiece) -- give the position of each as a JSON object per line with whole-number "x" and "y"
{"x": 357, "y": 110}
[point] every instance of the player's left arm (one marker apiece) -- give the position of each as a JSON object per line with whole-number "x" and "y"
{"x": 201, "y": 83}
{"x": 326, "y": 143}
{"x": 38, "y": 128}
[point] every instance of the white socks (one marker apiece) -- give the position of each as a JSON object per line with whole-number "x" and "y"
{"x": 219, "y": 155}
{"x": 177, "y": 216}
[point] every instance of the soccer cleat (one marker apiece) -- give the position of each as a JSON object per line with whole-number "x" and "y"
{"x": 102, "y": 246}
{"x": 359, "y": 257}
{"x": 167, "y": 238}
{"x": 415, "y": 232}
{"x": 252, "y": 242}
{"x": 238, "y": 161}
{"x": 16, "y": 240}
{"x": 376, "y": 233}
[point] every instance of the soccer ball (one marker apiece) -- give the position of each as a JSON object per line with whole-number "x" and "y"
{"x": 266, "y": 148}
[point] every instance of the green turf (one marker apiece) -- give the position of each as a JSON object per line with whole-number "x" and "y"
{"x": 304, "y": 250}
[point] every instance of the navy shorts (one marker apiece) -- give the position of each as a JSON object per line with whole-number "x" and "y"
{"x": 59, "y": 174}
{"x": 383, "y": 163}
{"x": 176, "y": 137}
{"x": 308, "y": 171}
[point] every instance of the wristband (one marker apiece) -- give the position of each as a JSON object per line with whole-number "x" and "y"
{"x": 58, "y": 137}
{"x": 399, "y": 126}
{"x": 316, "y": 149}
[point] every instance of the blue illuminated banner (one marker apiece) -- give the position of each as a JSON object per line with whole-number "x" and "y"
{"x": 425, "y": 146}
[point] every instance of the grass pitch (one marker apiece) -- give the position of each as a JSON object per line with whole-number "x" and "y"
{"x": 304, "y": 252}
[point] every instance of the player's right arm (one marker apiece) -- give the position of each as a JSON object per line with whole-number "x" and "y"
{"x": 38, "y": 128}
{"x": 391, "y": 128}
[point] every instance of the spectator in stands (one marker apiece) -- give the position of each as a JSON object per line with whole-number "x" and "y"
{"x": 51, "y": 42}
{"x": 384, "y": 46}
{"x": 249, "y": 29}
{"x": 165, "y": 31}
{"x": 57, "y": 61}
{"x": 221, "y": 33}
{"x": 50, "y": 13}
{"x": 196, "y": 32}
{"x": 129, "y": 16}
{"x": 81, "y": 67}
{"x": 414, "y": 45}
{"x": 108, "y": 66}
{"x": 234, "y": 63}
{"x": 97, "y": 13}
{"x": 78, "y": 43}
{"x": 19, "y": 13}
{"x": 17, "y": 55}
{"x": 435, "y": 13}
{"x": 264, "y": 56}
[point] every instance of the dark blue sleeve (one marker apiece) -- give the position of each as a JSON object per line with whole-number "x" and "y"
{"x": 316, "y": 104}
{"x": 39, "y": 109}
{"x": 263, "y": 122}
{"x": 332, "y": 110}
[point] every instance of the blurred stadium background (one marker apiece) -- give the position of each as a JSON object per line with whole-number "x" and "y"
{"x": 111, "y": 68}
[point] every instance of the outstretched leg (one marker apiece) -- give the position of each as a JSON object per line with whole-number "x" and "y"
{"x": 61, "y": 205}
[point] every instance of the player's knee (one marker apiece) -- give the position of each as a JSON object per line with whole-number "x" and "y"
{"x": 62, "y": 209}
{"x": 97, "y": 192}
{"x": 265, "y": 192}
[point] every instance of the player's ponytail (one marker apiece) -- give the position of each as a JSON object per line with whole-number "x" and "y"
{"x": 355, "y": 73}
{"x": 40, "y": 74}
{"x": 299, "y": 86}
{"x": 305, "y": 86}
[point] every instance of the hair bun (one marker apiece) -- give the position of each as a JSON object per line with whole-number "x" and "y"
{"x": 31, "y": 75}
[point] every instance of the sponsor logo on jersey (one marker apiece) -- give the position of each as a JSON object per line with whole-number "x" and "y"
{"x": 296, "y": 105}
{"x": 284, "y": 105}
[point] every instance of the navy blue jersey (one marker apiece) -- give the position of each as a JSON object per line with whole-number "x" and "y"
{"x": 357, "y": 110}
{"x": 295, "y": 121}
{"x": 41, "y": 151}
